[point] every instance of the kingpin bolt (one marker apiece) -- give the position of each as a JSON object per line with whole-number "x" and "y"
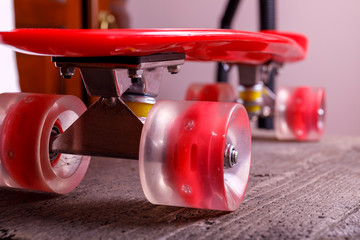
{"x": 135, "y": 73}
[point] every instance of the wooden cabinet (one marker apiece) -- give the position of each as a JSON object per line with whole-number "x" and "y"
{"x": 48, "y": 13}
{"x": 37, "y": 73}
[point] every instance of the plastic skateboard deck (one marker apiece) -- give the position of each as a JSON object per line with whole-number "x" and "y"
{"x": 198, "y": 44}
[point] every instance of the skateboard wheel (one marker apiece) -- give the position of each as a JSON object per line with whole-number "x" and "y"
{"x": 195, "y": 154}
{"x": 27, "y": 122}
{"x": 216, "y": 92}
{"x": 300, "y": 113}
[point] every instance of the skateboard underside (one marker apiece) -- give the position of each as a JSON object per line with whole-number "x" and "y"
{"x": 198, "y": 44}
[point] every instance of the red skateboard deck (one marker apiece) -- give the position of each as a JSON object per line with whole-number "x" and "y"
{"x": 198, "y": 44}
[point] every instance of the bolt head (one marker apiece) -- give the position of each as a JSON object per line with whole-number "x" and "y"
{"x": 67, "y": 72}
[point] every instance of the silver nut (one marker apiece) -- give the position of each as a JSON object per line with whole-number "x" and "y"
{"x": 174, "y": 69}
{"x": 230, "y": 156}
{"x": 67, "y": 72}
{"x": 135, "y": 73}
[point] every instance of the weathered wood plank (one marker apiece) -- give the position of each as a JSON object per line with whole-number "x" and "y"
{"x": 296, "y": 191}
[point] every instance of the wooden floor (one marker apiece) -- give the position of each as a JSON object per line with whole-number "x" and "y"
{"x": 296, "y": 191}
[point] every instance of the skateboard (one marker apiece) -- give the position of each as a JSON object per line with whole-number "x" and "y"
{"x": 191, "y": 153}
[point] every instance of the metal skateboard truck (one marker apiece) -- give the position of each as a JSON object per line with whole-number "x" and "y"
{"x": 116, "y": 80}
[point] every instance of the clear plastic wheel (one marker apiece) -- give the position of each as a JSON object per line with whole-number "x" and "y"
{"x": 27, "y": 123}
{"x": 216, "y": 92}
{"x": 195, "y": 154}
{"x": 300, "y": 113}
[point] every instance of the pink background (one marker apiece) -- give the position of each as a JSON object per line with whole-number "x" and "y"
{"x": 333, "y": 62}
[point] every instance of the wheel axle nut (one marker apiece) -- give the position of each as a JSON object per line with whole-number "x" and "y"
{"x": 230, "y": 156}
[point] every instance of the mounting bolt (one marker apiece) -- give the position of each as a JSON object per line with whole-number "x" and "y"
{"x": 230, "y": 156}
{"x": 174, "y": 69}
{"x": 135, "y": 73}
{"x": 67, "y": 72}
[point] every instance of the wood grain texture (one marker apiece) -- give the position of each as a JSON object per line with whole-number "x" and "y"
{"x": 296, "y": 191}
{"x": 37, "y": 74}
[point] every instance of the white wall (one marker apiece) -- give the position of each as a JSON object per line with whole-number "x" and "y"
{"x": 8, "y": 71}
{"x": 333, "y": 29}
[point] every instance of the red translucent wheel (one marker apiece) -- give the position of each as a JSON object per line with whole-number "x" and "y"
{"x": 28, "y": 122}
{"x": 195, "y": 154}
{"x": 216, "y": 92}
{"x": 300, "y": 113}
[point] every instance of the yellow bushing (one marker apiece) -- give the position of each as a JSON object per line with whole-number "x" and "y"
{"x": 139, "y": 109}
{"x": 249, "y": 95}
{"x": 253, "y": 109}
